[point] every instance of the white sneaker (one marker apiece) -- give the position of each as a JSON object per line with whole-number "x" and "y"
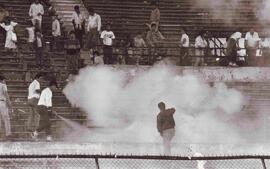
{"x": 49, "y": 138}
{"x": 34, "y": 135}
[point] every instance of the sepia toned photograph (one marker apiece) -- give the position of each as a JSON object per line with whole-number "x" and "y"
{"x": 134, "y": 84}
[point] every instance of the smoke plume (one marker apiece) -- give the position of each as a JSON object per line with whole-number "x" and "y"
{"x": 122, "y": 103}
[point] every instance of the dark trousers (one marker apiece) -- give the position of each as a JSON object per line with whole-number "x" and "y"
{"x": 3, "y": 33}
{"x": 183, "y": 60}
{"x": 79, "y": 35}
{"x": 232, "y": 50}
{"x": 39, "y": 57}
{"x": 108, "y": 54}
{"x": 44, "y": 122}
{"x": 251, "y": 53}
{"x": 55, "y": 43}
{"x": 73, "y": 61}
{"x": 92, "y": 38}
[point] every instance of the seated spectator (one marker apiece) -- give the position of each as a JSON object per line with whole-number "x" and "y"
{"x": 31, "y": 36}
{"x": 154, "y": 41}
{"x": 3, "y": 14}
{"x": 251, "y": 44}
{"x": 72, "y": 47}
{"x": 184, "y": 47}
{"x": 38, "y": 46}
{"x": 107, "y": 37}
{"x": 93, "y": 28}
{"x": 155, "y": 16}
{"x": 201, "y": 45}
{"x": 140, "y": 47}
{"x": 35, "y": 12}
{"x": 232, "y": 48}
{"x": 11, "y": 37}
{"x": 56, "y": 34}
{"x": 78, "y": 24}
{"x": 98, "y": 59}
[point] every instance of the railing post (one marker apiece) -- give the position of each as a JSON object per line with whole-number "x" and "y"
{"x": 97, "y": 163}
{"x": 263, "y": 163}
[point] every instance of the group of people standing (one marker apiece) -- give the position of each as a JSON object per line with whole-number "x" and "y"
{"x": 40, "y": 103}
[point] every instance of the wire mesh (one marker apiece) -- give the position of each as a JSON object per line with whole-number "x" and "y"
{"x": 143, "y": 162}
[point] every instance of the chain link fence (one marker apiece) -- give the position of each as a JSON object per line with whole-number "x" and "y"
{"x": 132, "y": 162}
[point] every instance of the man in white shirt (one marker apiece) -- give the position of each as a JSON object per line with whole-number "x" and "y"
{"x": 251, "y": 44}
{"x": 93, "y": 28}
{"x": 107, "y": 37}
{"x": 201, "y": 45}
{"x": 56, "y": 33}
{"x": 5, "y": 106}
{"x": 184, "y": 47}
{"x": 45, "y": 111}
{"x": 35, "y": 12}
{"x": 33, "y": 96}
{"x": 78, "y": 23}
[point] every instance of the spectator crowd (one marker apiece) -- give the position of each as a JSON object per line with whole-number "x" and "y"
{"x": 104, "y": 47}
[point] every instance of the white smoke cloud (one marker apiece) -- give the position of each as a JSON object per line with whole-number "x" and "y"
{"x": 123, "y": 102}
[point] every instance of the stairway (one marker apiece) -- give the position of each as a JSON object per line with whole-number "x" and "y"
{"x": 65, "y": 8}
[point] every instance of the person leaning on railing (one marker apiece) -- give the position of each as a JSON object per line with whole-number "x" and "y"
{"x": 232, "y": 48}
{"x": 201, "y": 45}
{"x": 154, "y": 39}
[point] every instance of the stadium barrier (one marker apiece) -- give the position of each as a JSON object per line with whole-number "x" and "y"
{"x": 133, "y": 162}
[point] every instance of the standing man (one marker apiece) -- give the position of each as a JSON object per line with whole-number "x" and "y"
{"x": 165, "y": 126}
{"x": 45, "y": 111}
{"x": 5, "y": 106}
{"x": 78, "y": 24}
{"x": 33, "y": 96}
{"x": 56, "y": 33}
{"x": 108, "y": 36}
{"x": 35, "y": 12}
{"x": 251, "y": 44}
{"x": 184, "y": 47}
{"x": 93, "y": 28}
{"x": 201, "y": 45}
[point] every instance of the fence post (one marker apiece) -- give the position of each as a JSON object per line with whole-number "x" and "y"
{"x": 97, "y": 163}
{"x": 263, "y": 163}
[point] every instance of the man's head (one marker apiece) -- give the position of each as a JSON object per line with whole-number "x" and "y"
{"x": 154, "y": 5}
{"x": 2, "y": 78}
{"x": 72, "y": 35}
{"x": 161, "y": 106}
{"x": 153, "y": 27}
{"x": 54, "y": 17}
{"x": 108, "y": 26}
{"x": 76, "y": 8}
{"x": 91, "y": 11}
{"x": 38, "y": 33}
{"x": 182, "y": 31}
{"x": 202, "y": 33}
{"x": 139, "y": 34}
{"x": 53, "y": 85}
{"x": 251, "y": 30}
{"x": 38, "y": 76}
{"x": 36, "y": 1}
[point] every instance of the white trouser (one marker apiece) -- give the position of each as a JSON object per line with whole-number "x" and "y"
{"x": 5, "y": 117}
{"x": 167, "y": 136}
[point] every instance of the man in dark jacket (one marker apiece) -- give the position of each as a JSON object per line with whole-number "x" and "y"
{"x": 165, "y": 126}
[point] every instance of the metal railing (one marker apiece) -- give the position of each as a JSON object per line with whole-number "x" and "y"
{"x": 132, "y": 162}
